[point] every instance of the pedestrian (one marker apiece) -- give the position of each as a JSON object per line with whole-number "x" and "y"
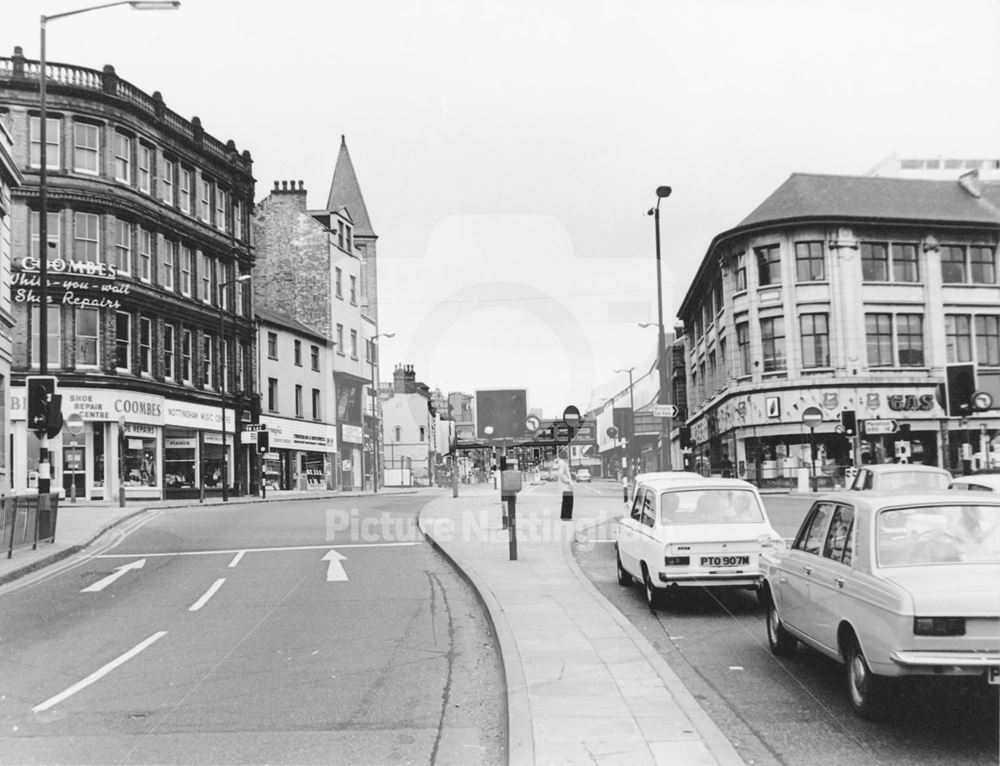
{"x": 625, "y": 486}
{"x": 565, "y": 479}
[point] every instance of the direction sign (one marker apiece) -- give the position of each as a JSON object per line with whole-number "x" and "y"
{"x": 664, "y": 410}
{"x": 812, "y": 416}
{"x": 876, "y": 427}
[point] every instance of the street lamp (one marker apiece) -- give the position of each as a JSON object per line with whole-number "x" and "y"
{"x": 662, "y": 192}
{"x": 375, "y": 424}
{"x": 44, "y": 465}
{"x": 631, "y": 435}
{"x": 222, "y": 383}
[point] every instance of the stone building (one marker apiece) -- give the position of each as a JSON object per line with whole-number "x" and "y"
{"x": 410, "y": 432}
{"x": 150, "y": 331}
{"x": 10, "y": 179}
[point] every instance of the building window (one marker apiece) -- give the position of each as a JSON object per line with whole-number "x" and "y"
{"x": 741, "y": 272}
{"x": 397, "y": 433}
{"x": 809, "y": 262}
{"x": 338, "y": 282}
{"x": 958, "y": 338}
{"x": 145, "y": 345}
{"x": 315, "y": 404}
{"x": 988, "y": 340}
{"x": 298, "y": 353}
{"x": 53, "y": 333}
{"x": 123, "y": 158}
{"x": 952, "y": 264}
{"x": 52, "y": 234}
{"x": 187, "y": 343}
{"x": 205, "y": 201}
{"x": 223, "y": 364}
{"x": 983, "y": 265}
{"x": 354, "y": 344}
{"x": 184, "y": 190}
{"x": 298, "y": 401}
{"x": 874, "y": 262}
{"x": 53, "y": 129}
{"x": 207, "y": 359}
{"x": 221, "y": 200}
{"x": 123, "y": 341}
{"x": 314, "y": 357}
{"x": 123, "y": 246}
{"x": 144, "y": 255}
{"x": 354, "y": 290}
{"x": 87, "y": 337}
{"x": 223, "y": 274}
{"x": 205, "y": 278}
{"x": 768, "y": 265}
{"x": 167, "y": 265}
{"x": 910, "y": 339}
{"x": 772, "y": 340}
{"x": 167, "y": 181}
{"x": 272, "y": 345}
{"x": 186, "y": 261}
{"x": 145, "y": 168}
{"x": 168, "y": 351}
{"x": 904, "y": 263}
{"x": 815, "y": 340}
{"x": 878, "y": 336}
{"x": 272, "y": 394}
{"x": 340, "y": 339}
{"x": 87, "y": 237}
{"x": 86, "y": 148}
{"x": 237, "y": 219}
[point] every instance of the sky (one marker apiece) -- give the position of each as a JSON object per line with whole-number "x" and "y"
{"x": 509, "y": 150}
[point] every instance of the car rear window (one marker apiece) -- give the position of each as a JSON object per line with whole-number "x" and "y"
{"x": 895, "y": 480}
{"x": 710, "y": 506}
{"x": 938, "y": 534}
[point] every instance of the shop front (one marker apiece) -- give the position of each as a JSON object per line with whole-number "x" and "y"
{"x": 300, "y": 456}
{"x": 351, "y": 456}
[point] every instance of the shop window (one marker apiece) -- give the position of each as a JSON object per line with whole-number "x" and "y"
{"x": 139, "y": 461}
{"x": 180, "y": 449}
{"x": 315, "y": 468}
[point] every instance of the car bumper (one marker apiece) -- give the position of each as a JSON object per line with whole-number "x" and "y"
{"x": 944, "y": 663}
{"x": 733, "y": 580}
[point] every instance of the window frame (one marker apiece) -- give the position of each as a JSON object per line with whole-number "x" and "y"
{"x": 82, "y": 342}
{"x": 123, "y": 344}
{"x": 123, "y": 250}
{"x": 816, "y": 341}
{"x": 772, "y": 344}
{"x": 808, "y": 254}
{"x": 86, "y": 236}
{"x": 144, "y": 253}
{"x": 53, "y": 147}
{"x": 123, "y": 157}
{"x": 82, "y": 149}
{"x": 169, "y": 351}
{"x": 768, "y": 265}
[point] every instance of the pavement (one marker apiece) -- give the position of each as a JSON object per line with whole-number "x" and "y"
{"x": 584, "y": 686}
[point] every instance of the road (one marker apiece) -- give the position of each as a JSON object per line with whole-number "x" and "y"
{"x": 794, "y": 710}
{"x": 300, "y": 632}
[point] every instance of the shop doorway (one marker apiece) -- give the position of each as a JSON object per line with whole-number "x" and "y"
{"x": 74, "y": 471}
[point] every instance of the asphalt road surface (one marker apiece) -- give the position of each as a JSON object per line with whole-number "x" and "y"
{"x": 240, "y": 634}
{"x": 792, "y": 710}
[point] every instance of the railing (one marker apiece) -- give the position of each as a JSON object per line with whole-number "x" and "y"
{"x": 27, "y": 520}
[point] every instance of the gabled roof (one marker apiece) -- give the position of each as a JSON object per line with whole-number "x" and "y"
{"x": 900, "y": 199}
{"x": 345, "y": 192}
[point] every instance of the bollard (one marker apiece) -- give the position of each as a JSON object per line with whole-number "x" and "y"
{"x": 512, "y": 524}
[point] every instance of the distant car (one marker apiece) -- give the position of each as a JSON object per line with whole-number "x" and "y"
{"x": 583, "y": 474}
{"x": 891, "y": 584}
{"x": 980, "y": 482}
{"x": 688, "y": 534}
{"x": 900, "y": 477}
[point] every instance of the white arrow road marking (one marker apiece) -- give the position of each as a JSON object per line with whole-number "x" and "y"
{"x": 104, "y": 582}
{"x": 207, "y": 595}
{"x": 98, "y": 674}
{"x": 335, "y": 571}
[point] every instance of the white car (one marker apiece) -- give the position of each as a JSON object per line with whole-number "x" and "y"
{"x": 978, "y": 482}
{"x": 693, "y": 533}
{"x": 900, "y": 477}
{"x": 666, "y": 476}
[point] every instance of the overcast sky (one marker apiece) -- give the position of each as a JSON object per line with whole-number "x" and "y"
{"x": 508, "y": 150}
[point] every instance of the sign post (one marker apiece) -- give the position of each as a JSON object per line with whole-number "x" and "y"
{"x": 74, "y": 424}
{"x": 812, "y": 417}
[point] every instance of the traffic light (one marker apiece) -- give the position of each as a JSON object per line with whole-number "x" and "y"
{"x": 685, "y": 437}
{"x": 40, "y": 390}
{"x": 960, "y": 382}
{"x": 263, "y": 440}
{"x": 849, "y": 421}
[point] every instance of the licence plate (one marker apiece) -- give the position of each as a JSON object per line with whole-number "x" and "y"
{"x": 728, "y": 561}
{"x": 993, "y": 675}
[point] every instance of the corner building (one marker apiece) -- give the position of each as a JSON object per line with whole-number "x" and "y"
{"x": 150, "y": 331}
{"x": 851, "y": 295}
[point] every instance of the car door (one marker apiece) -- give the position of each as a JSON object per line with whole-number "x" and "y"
{"x": 830, "y": 584}
{"x": 628, "y": 537}
{"x": 650, "y": 545}
{"x": 796, "y": 569}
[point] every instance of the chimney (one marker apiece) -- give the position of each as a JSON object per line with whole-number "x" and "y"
{"x": 970, "y": 182}
{"x": 399, "y": 379}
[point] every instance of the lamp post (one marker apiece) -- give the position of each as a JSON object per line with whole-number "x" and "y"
{"x": 375, "y": 422}
{"x": 222, "y": 382}
{"x": 631, "y": 435}
{"x": 44, "y": 464}
{"x": 662, "y": 192}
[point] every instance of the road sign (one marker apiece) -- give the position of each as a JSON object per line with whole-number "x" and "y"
{"x": 878, "y": 427}
{"x": 812, "y": 416}
{"x": 532, "y": 423}
{"x": 571, "y": 416}
{"x": 664, "y": 411}
{"x": 74, "y": 423}
{"x": 254, "y": 426}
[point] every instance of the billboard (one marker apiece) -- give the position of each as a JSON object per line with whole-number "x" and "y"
{"x": 500, "y": 413}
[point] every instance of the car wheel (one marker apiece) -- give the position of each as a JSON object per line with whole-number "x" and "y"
{"x": 782, "y": 642}
{"x": 624, "y": 578}
{"x": 654, "y": 598}
{"x": 866, "y": 691}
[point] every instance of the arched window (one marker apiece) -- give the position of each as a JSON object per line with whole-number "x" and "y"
{"x": 398, "y": 431}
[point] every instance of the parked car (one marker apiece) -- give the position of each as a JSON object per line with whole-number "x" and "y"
{"x": 693, "y": 533}
{"x": 977, "y": 482}
{"x": 891, "y": 584}
{"x": 897, "y": 477}
{"x": 583, "y": 474}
